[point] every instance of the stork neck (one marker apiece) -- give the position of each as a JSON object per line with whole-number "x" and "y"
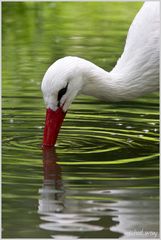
{"x": 117, "y": 86}
{"x": 98, "y": 83}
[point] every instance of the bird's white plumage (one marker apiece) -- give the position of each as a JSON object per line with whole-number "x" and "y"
{"x": 136, "y": 72}
{"x": 138, "y": 67}
{"x": 143, "y": 34}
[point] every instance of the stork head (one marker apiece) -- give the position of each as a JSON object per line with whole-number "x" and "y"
{"x": 61, "y": 83}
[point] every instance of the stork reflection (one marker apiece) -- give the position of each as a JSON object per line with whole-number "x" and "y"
{"x": 52, "y": 192}
{"x": 57, "y": 209}
{"x": 97, "y": 209}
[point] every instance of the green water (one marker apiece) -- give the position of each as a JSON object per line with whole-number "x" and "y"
{"x": 102, "y": 181}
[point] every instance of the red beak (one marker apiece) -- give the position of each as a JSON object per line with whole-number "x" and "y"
{"x": 54, "y": 120}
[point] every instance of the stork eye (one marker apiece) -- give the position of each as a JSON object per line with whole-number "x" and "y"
{"x": 61, "y": 93}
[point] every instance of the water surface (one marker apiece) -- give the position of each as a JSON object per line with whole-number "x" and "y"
{"x": 101, "y": 180}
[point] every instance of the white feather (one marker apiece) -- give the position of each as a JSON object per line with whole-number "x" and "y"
{"x": 136, "y": 72}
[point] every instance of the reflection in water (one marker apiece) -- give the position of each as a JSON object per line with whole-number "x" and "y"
{"x": 52, "y": 192}
{"x": 61, "y": 210}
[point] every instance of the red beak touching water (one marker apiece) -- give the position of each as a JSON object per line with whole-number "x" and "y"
{"x": 54, "y": 120}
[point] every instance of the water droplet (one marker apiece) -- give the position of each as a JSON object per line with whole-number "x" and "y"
{"x": 146, "y": 130}
{"x": 113, "y": 134}
{"x": 129, "y": 140}
{"x": 140, "y": 135}
{"x": 11, "y": 120}
{"x": 129, "y": 127}
{"x": 155, "y": 130}
{"x": 39, "y": 127}
{"x": 119, "y": 124}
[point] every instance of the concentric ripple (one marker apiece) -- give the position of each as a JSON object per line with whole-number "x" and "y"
{"x": 122, "y": 139}
{"x": 86, "y": 139}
